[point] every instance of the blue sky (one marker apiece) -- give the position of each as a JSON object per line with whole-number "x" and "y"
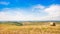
{"x": 28, "y": 3}
{"x": 11, "y": 10}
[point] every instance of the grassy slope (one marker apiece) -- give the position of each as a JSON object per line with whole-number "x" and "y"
{"x": 29, "y": 29}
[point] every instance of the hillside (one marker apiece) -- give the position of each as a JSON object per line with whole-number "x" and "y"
{"x": 29, "y": 28}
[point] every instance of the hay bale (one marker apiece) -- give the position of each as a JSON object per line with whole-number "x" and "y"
{"x": 52, "y": 24}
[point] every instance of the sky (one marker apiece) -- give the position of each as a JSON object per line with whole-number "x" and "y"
{"x": 29, "y": 10}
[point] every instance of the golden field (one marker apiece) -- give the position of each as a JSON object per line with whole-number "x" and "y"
{"x": 29, "y": 29}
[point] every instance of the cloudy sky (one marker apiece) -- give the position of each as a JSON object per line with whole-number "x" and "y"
{"x": 29, "y": 10}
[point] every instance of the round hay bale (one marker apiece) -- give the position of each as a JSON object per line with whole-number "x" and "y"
{"x": 52, "y": 24}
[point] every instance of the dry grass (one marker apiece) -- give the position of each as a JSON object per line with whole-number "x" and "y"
{"x": 29, "y": 29}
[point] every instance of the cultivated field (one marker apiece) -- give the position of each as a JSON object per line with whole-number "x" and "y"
{"x": 30, "y": 28}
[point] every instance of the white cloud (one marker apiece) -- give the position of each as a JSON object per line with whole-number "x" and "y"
{"x": 39, "y": 7}
{"x": 4, "y": 3}
{"x": 11, "y": 14}
{"x": 37, "y": 12}
{"x": 14, "y": 14}
{"x": 53, "y": 12}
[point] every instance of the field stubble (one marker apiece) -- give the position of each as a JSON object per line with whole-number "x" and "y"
{"x": 29, "y": 29}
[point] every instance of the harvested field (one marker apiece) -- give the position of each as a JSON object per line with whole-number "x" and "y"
{"x": 29, "y": 29}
